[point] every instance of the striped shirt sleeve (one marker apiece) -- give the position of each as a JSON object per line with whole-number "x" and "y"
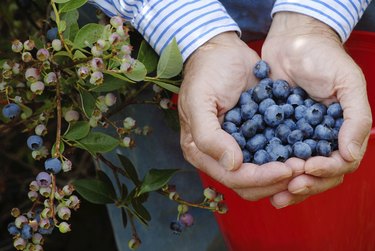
{"x": 341, "y": 15}
{"x": 192, "y": 22}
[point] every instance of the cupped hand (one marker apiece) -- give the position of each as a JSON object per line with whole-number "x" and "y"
{"x": 307, "y": 53}
{"x": 214, "y": 77}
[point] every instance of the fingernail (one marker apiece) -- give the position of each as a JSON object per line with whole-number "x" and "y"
{"x": 302, "y": 190}
{"x": 354, "y": 150}
{"x": 285, "y": 205}
{"x": 227, "y": 160}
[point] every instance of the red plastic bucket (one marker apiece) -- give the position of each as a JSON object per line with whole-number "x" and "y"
{"x": 341, "y": 219}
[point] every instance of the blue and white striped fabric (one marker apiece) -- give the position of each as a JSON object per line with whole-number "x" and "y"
{"x": 192, "y": 22}
{"x": 341, "y": 15}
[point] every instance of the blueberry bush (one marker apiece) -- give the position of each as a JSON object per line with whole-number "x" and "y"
{"x": 59, "y": 82}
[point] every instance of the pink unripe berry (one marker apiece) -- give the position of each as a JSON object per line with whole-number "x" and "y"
{"x": 71, "y": 116}
{"x": 68, "y": 189}
{"x": 27, "y": 57}
{"x": 17, "y": 46}
{"x": 46, "y": 213}
{"x": 44, "y": 223}
{"x": 97, "y": 78}
{"x": 126, "y": 49}
{"x": 33, "y": 186}
{"x": 57, "y": 45}
{"x": 40, "y": 130}
{"x": 37, "y": 87}
{"x": 42, "y": 54}
{"x": 64, "y": 213}
{"x": 67, "y": 165}
{"x": 114, "y": 39}
{"x": 122, "y": 31}
{"x": 97, "y": 64}
{"x": 125, "y": 65}
{"x": 32, "y": 195}
{"x": 83, "y": 72}
{"x": 74, "y": 202}
{"x": 64, "y": 227}
{"x": 37, "y": 239}
{"x": 19, "y": 243}
{"x": 50, "y": 78}
{"x": 43, "y": 179}
{"x": 102, "y": 43}
{"x": 20, "y": 221}
{"x": 37, "y": 247}
{"x": 116, "y": 21}
{"x": 29, "y": 45}
{"x": 127, "y": 142}
{"x": 165, "y": 103}
{"x": 32, "y": 75}
{"x": 187, "y": 219}
{"x": 110, "y": 99}
{"x": 209, "y": 193}
{"x": 16, "y": 68}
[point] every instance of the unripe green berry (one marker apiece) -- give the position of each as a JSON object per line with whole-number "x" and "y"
{"x": 16, "y": 68}
{"x": 173, "y": 195}
{"x": 96, "y": 51}
{"x": 64, "y": 213}
{"x": 20, "y": 221}
{"x": 182, "y": 208}
{"x": 33, "y": 186}
{"x": 129, "y": 123}
{"x": 33, "y": 195}
{"x": 26, "y": 57}
{"x": 57, "y": 45}
{"x": 15, "y": 212}
{"x": 44, "y": 223}
{"x": 64, "y": 227}
{"x": 116, "y": 21}
{"x": 46, "y": 213}
{"x": 134, "y": 243}
{"x": 165, "y": 103}
{"x": 209, "y": 193}
{"x": 45, "y": 191}
{"x": 127, "y": 142}
{"x": 37, "y": 238}
{"x": 68, "y": 190}
{"x": 17, "y": 46}
{"x": 29, "y": 45}
{"x": 37, "y": 247}
{"x": 50, "y": 78}
{"x": 42, "y": 54}
{"x": 67, "y": 165}
{"x": 40, "y": 130}
{"x": 110, "y": 99}
{"x": 19, "y": 243}
{"x": 32, "y": 75}
{"x": 71, "y": 116}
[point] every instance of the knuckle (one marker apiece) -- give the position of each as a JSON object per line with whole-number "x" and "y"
{"x": 246, "y": 195}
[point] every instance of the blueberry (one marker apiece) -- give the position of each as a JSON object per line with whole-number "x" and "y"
{"x": 338, "y": 123}
{"x": 177, "y": 227}
{"x": 334, "y": 110}
{"x": 233, "y": 116}
{"x": 264, "y": 104}
{"x": 328, "y": 121}
{"x": 244, "y": 98}
{"x": 302, "y": 150}
{"x": 43, "y": 179}
{"x": 248, "y": 110}
{"x": 323, "y": 148}
{"x": 294, "y": 100}
{"x": 282, "y": 131}
{"x": 246, "y": 156}
{"x": 52, "y": 165}
{"x": 273, "y": 115}
{"x": 290, "y": 149}
{"x": 266, "y": 81}
{"x": 295, "y": 136}
{"x": 249, "y": 128}
{"x": 306, "y": 128}
{"x": 52, "y": 34}
{"x": 274, "y": 141}
{"x": 288, "y": 110}
{"x": 261, "y": 69}
{"x": 26, "y": 232}
{"x": 290, "y": 123}
{"x": 12, "y": 229}
{"x": 256, "y": 143}
{"x": 312, "y": 143}
{"x": 11, "y": 111}
{"x": 323, "y": 132}
{"x": 335, "y": 133}
{"x": 314, "y": 115}
{"x": 34, "y": 142}
{"x": 262, "y": 91}
{"x": 269, "y": 133}
{"x": 299, "y": 112}
{"x": 258, "y": 118}
{"x": 308, "y": 102}
{"x": 280, "y": 89}
{"x": 278, "y": 152}
{"x": 240, "y": 139}
{"x": 261, "y": 157}
{"x": 299, "y": 91}
{"x": 321, "y": 107}
{"x": 229, "y": 127}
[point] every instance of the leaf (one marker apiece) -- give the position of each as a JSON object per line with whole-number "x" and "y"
{"x": 26, "y": 111}
{"x": 62, "y": 26}
{"x": 77, "y": 130}
{"x": 124, "y": 192}
{"x": 61, "y": 1}
{"x": 119, "y": 76}
{"x": 169, "y": 87}
{"x": 89, "y": 33}
{"x": 62, "y": 54}
{"x": 156, "y": 179}
{"x": 79, "y": 55}
{"x": 71, "y": 5}
{"x": 95, "y": 191}
{"x": 170, "y": 62}
{"x": 102, "y": 176}
{"x": 88, "y": 102}
{"x": 72, "y": 27}
{"x": 110, "y": 84}
{"x": 137, "y": 72}
{"x": 98, "y": 142}
{"x": 129, "y": 168}
{"x": 124, "y": 217}
{"x": 61, "y": 150}
{"x": 140, "y": 210}
{"x": 148, "y": 56}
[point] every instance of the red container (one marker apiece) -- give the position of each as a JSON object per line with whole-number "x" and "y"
{"x": 341, "y": 219}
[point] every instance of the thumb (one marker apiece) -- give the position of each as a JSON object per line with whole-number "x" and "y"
{"x": 355, "y": 130}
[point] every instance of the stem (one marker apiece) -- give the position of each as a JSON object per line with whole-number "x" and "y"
{"x": 111, "y": 165}
{"x": 57, "y": 14}
{"x": 181, "y": 201}
{"x": 52, "y": 197}
{"x": 133, "y": 228}
{"x": 59, "y": 118}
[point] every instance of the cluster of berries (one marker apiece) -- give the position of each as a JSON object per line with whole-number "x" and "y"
{"x": 274, "y": 121}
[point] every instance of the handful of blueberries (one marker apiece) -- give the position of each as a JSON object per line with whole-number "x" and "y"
{"x": 274, "y": 122}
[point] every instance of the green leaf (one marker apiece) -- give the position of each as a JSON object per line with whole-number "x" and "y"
{"x": 129, "y": 168}
{"x": 102, "y": 176}
{"x": 38, "y": 42}
{"x": 71, "y": 5}
{"x": 137, "y": 72}
{"x": 89, "y": 33}
{"x": 124, "y": 217}
{"x": 79, "y": 55}
{"x": 95, "y": 191}
{"x": 111, "y": 83}
{"x": 97, "y": 142}
{"x": 26, "y": 111}
{"x": 156, "y": 179}
{"x": 140, "y": 210}
{"x": 170, "y": 62}
{"x": 61, "y": 150}
{"x": 148, "y": 56}
{"x": 169, "y": 87}
{"x": 88, "y": 102}
{"x": 62, "y": 54}
{"x": 119, "y": 76}
{"x": 61, "y": 1}
{"x": 124, "y": 192}
{"x": 77, "y": 130}
{"x": 71, "y": 19}
{"x": 62, "y": 26}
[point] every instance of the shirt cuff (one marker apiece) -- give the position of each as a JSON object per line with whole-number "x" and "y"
{"x": 341, "y": 16}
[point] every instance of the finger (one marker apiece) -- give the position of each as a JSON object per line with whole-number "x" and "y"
{"x": 257, "y": 193}
{"x": 309, "y": 185}
{"x": 285, "y": 198}
{"x": 357, "y": 117}
{"x": 297, "y": 165}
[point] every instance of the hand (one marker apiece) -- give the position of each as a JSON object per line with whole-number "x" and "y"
{"x": 214, "y": 77}
{"x": 308, "y": 53}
